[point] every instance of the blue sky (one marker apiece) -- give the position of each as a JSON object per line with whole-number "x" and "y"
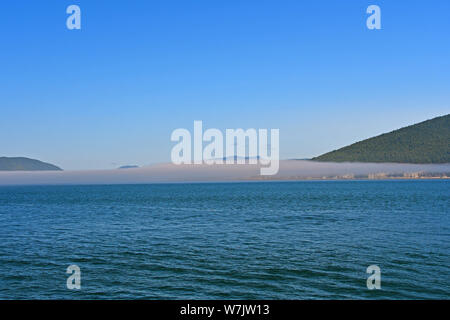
{"x": 111, "y": 93}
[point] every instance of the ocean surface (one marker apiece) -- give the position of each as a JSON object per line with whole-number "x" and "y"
{"x": 261, "y": 240}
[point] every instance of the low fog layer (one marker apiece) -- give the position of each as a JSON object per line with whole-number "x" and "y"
{"x": 289, "y": 169}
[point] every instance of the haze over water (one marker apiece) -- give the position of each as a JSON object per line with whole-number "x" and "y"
{"x": 262, "y": 240}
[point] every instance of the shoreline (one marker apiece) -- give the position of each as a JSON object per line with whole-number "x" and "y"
{"x": 345, "y": 179}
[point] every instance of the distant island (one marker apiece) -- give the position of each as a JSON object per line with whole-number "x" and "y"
{"x": 128, "y": 167}
{"x": 425, "y": 142}
{"x": 25, "y": 164}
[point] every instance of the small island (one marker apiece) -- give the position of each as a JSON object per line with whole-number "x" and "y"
{"x": 128, "y": 167}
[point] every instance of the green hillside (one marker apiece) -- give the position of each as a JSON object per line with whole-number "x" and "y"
{"x": 24, "y": 164}
{"x": 425, "y": 142}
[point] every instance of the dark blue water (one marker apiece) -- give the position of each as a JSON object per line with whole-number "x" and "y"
{"x": 287, "y": 240}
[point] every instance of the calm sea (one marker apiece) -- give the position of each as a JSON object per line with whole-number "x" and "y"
{"x": 262, "y": 240}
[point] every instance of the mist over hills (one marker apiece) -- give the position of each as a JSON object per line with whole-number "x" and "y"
{"x": 25, "y": 164}
{"x": 424, "y": 142}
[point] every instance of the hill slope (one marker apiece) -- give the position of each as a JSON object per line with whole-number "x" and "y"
{"x": 24, "y": 164}
{"x": 425, "y": 142}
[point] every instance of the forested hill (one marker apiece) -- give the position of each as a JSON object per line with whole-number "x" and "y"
{"x": 425, "y": 142}
{"x": 25, "y": 164}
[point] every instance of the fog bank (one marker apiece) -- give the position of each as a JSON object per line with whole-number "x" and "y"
{"x": 166, "y": 173}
